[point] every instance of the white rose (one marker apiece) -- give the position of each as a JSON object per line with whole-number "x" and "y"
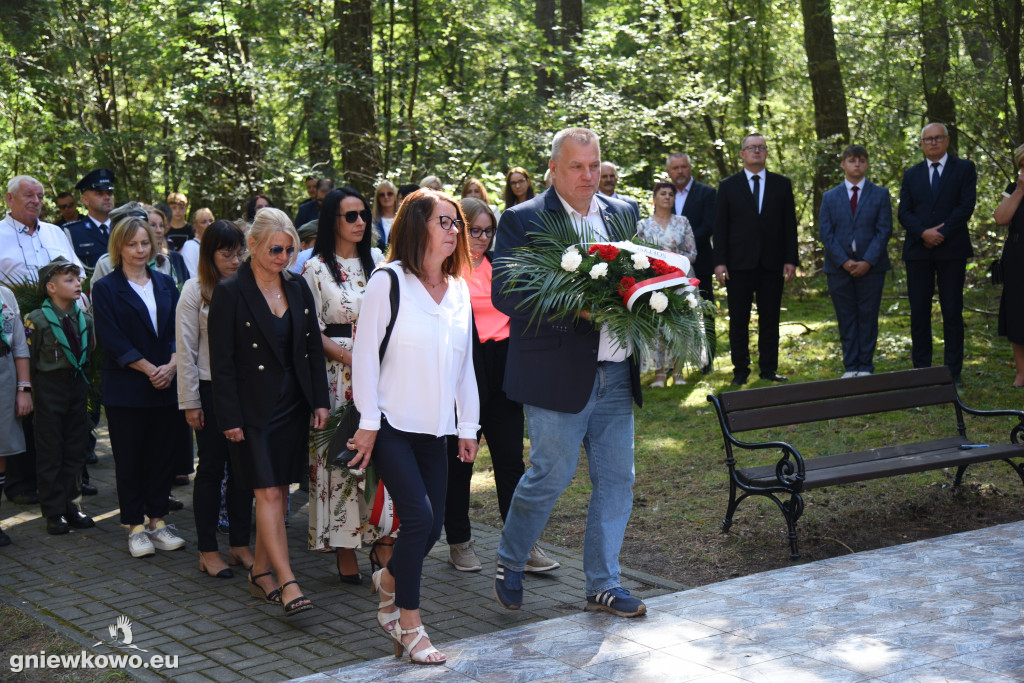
{"x": 571, "y": 261}
{"x": 659, "y": 302}
{"x": 598, "y": 271}
{"x": 692, "y": 300}
{"x": 640, "y": 262}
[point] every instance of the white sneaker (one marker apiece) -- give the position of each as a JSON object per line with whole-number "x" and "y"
{"x": 139, "y": 545}
{"x": 539, "y": 562}
{"x": 849, "y": 373}
{"x": 164, "y": 539}
{"x": 863, "y": 373}
{"x": 463, "y": 557}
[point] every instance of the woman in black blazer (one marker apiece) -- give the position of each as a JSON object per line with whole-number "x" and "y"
{"x": 268, "y": 372}
{"x": 134, "y": 311}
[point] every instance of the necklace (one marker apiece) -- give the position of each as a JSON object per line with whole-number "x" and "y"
{"x": 432, "y": 285}
{"x": 268, "y": 291}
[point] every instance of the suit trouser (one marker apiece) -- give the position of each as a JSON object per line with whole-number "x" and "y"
{"x": 857, "y": 301}
{"x": 21, "y": 467}
{"x": 501, "y": 423}
{"x": 61, "y": 437}
{"x": 742, "y": 288}
{"x": 142, "y": 440}
{"x": 921, "y": 278}
{"x": 707, "y": 292}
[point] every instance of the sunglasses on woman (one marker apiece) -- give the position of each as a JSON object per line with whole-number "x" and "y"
{"x": 351, "y": 216}
{"x": 277, "y": 250}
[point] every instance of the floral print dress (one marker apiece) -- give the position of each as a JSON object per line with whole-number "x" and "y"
{"x": 337, "y": 511}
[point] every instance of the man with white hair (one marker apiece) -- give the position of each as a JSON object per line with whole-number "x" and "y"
{"x": 576, "y": 384}
{"x": 610, "y": 180}
{"x": 27, "y": 243}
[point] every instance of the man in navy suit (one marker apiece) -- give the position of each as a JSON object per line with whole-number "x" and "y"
{"x": 89, "y": 235}
{"x": 855, "y": 224}
{"x": 696, "y": 201}
{"x": 937, "y": 199}
{"x": 755, "y": 254}
{"x": 576, "y": 384}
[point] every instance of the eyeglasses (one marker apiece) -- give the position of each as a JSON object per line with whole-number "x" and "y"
{"x": 386, "y": 194}
{"x": 62, "y": 207}
{"x": 517, "y": 182}
{"x": 481, "y": 232}
{"x": 448, "y": 223}
{"x": 351, "y": 216}
{"x": 755, "y": 148}
{"x": 277, "y": 250}
{"x": 934, "y": 139}
{"x": 238, "y": 254}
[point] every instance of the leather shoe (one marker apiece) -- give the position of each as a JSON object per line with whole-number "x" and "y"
{"x": 30, "y": 498}
{"x": 706, "y": 369}
{"x": 739, "y": 380}
{"x": 79, "y": 520}
{"x": 174, "y": 504}
{"x": 4, "y": 539}
{"x": 56, "y": 525}
{"x": 89, "y": 489}
{"x": 90, "y": 458}
{"x": 774, "y": 377}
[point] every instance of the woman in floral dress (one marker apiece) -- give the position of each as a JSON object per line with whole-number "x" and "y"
{"x": 337, "y": 273}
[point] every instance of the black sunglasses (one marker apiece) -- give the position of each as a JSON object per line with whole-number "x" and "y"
{"x": 64, "y": 206}
{"x": 351, "y": 216}
{"x": 277, "y": 250}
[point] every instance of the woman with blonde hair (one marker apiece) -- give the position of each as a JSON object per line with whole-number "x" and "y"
{"x": 201, "y": 220}
{"x": 269, "y": 376}
{"x": 385, "y": 200}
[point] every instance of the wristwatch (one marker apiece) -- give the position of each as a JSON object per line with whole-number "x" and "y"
{"x": 28, "y": 389}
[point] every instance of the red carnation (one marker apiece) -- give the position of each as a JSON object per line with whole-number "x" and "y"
{"x": 625, "y": 284}
{"x": 607, "y": 252}
{"x": 593, "y": 249}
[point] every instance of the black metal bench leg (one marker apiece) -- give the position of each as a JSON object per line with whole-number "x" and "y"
{"x": 1018, "y": 468}
{"x": 958, "y": 479}
{"x": 733, "y": 502}
{"x": 792, "y": 510}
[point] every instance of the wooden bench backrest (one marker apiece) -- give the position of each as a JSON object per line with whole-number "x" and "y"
{"x": 835, "y": 398}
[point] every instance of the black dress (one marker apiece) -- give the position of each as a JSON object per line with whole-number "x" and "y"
{"x": 1011, "y": 317}
{"x": 275, "y": 455}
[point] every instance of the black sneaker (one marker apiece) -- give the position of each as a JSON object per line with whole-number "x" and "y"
{"x": 508, "y": 587}
{"x": 617, "y": 601}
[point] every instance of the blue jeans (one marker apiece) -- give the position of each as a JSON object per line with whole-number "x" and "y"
{"x": 605, "y": 428}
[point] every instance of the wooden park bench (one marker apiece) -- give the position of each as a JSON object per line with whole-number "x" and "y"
{"x": 800, "y": 403}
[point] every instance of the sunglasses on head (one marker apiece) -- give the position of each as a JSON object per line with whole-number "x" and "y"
{"x": 351, "y": 216}
{"x": 277, "y": 250}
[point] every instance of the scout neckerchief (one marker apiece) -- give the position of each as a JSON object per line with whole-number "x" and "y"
{"x": 3, "y": 335}
{"x": 51, "y": 317}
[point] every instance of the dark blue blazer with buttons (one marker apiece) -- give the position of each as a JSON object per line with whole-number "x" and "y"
{"x": 951, "y": 206}
{"x": 125, "y": 331}
{"x": 552, "y": 364}
{"x": 87, "y": 239}
{"x": 246, "y": 365}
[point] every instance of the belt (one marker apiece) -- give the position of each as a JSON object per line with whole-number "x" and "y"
{"x": 338, "y": 330}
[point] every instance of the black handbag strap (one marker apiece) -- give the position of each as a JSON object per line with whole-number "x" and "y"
{"x": 394, "y": 311}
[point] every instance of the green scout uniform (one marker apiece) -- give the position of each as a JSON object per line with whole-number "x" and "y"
{"x": 60, "y": 396}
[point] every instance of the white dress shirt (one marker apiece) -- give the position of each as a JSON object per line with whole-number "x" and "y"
{"x": 428, "y": 367}
{"x": 681, "y": 196}
{"x": 750, "y": 183}
{"x": 591, "y": 228}
{"x": 190, "y": 254}
{"x": 942, "y": 166}
{"x": 22, "y": 254}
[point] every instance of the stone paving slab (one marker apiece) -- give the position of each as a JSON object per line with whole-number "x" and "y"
{"x": 81, "y": 583}
{"x": 947, "y": 609}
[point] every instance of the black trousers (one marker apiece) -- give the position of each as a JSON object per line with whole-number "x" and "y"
{"x": 743, "y": 288}
{"x": 142, "y": 440}
{"x": 62, "y": 438}
{"x": 921, "y": 279}
{"x": 501, "y": 423}
{"x": 214, "y": 455}
{"x": 706, "y": 275}
{"x": 21, "y": 467}
{"x": 414, "y": 468}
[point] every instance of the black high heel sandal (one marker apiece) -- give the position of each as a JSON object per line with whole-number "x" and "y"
{"x": 299, "y": 604}
{"x": 375, "y": 562}
{"x": 257, "y": 591}
{"x": 353, "y": 579}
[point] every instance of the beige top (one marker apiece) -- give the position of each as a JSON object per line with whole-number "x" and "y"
{"x": 193, "y": 344}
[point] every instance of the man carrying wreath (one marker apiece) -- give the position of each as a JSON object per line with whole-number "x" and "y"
{"x": 577, "y": 385}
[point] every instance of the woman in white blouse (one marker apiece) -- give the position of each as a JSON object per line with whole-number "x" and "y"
{"x": 405, "y": 401}
{"x": 220, "y": 253}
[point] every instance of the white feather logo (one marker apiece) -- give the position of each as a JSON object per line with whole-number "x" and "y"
{"x": 121, "y": 635}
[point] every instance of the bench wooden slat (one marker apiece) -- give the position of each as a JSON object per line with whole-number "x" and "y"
{"x": 802, "y": 392}
{"x": 836, "y": 408}
{"x": 877, "y": 463}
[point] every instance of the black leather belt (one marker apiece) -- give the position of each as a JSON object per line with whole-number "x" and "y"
{"x": 338, "y": 330}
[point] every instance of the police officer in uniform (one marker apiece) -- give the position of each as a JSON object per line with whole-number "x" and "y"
{"x": 89, "y": 235}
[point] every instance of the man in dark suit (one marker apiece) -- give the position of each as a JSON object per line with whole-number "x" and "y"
{"x": 89, "y": 235}
{"x": 609, "y": 181}
{"x": 696, "y": 201}
{"x": 937, "y": 199}
{"x": 576, "y": 383}
{"x": 755, "y": 254}
{"x": 855, "y": 224}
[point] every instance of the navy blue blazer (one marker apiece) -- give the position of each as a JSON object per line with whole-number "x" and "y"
{"x": 125, "y": 330}
{"x": 952, "y": 205}
{"x": 870, "y": 228}
{"x": 88, "y": 240}
{"x": 246, "y": 365}
{"x": 699, "y": 209}
{"x": 552, "y": 364}
{"x": 746, "y": 239}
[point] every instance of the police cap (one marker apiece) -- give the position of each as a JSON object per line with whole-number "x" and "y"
{"x": 98, "y": 179}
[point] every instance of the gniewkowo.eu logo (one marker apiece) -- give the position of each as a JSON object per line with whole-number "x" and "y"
{"x": 125, "y": 655}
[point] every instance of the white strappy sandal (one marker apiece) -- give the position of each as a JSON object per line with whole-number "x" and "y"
{"x": 385, "y": 619}
{"x": 417, "y": 656}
